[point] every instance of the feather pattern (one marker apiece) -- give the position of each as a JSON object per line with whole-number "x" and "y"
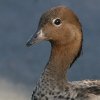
{"x": 62, "y": 28}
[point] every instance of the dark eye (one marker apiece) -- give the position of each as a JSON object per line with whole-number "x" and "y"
{"x": 57, "y": 21}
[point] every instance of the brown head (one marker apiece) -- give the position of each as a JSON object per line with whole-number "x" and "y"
{"x": 60, "y": 26}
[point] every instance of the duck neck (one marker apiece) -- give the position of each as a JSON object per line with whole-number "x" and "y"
{"x": 60, "y": 60}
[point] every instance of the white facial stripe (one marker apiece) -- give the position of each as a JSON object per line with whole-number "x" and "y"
{"x": 41, "y": 34}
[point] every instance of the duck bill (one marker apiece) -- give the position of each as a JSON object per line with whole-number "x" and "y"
{"x": 36, "y": 38}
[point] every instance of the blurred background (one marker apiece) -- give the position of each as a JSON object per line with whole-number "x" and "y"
{"x": 21, "y": 67}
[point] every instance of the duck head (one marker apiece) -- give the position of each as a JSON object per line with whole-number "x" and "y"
{"x": 58, "y": 25}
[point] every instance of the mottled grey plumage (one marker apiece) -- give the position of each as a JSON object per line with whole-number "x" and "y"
{"x": 61, "y": 27}
{"x": 76, "y": 90}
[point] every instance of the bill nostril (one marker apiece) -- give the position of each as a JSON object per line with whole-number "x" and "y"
{"x": 35, "y": 35}
{"x": 36, "y": 38}
{"x": 28, "y": 44}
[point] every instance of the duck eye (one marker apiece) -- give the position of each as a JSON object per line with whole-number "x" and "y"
{"x": 57, "y": 21}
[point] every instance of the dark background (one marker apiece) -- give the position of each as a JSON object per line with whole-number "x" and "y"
{"x": 20, "y": 67}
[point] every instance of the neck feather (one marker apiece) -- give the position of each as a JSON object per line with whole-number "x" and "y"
{"x": 61, "y": 58}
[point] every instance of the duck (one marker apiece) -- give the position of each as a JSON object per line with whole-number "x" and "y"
{"x": 62, "y": 28}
